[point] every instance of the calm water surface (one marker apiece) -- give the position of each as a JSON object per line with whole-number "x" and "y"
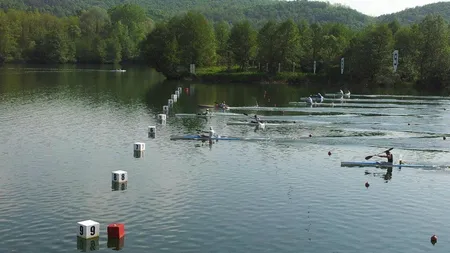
{"x": 64, "y": 130}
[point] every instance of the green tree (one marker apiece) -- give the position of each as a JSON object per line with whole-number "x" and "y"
{"x": 243, "y": 43}
{"x": 433, "y": 60}
{"x": 287, "y": 43}
{"x": 222, "y": 34}
{"x": 195, "y": 37}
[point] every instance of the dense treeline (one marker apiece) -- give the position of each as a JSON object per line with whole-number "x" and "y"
{"x": 424, "y": 49}
{"x": 416, "y": 14}
{"x": 95, "y": 36}
{"x": 256, "y": 11}
{"x": 125, "y": 33}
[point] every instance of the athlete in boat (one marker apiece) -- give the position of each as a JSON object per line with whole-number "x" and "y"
{"x": 309, "y": 101}
{"x": 207, "y": 112}
{"x": 211, "y": 134}
{"x": 388, "y": 155}
{"x": 256, "y": 119}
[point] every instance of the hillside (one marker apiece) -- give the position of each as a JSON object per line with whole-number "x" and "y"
{"x": 157, "y": 9}
{"x": 256, "y": 11}
{"x": 313, "y": 12}
{"x": 414, "y": 15}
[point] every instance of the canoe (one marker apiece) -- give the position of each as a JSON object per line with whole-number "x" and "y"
{"x": 387, "y": 165}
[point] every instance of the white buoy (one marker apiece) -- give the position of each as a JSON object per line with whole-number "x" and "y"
{"x": 139, "y": 146}
{"x": 170, "y": 102}
{"x": 177, "y": 92}
{"x": 120, "y": 176}
{"x": 88, "y": 229}
{"x": 180, "y": 90}
{"x": 174, "y": 98}
{"x": 151, "y": 132}
{"x": 162, "y": 118}
{"x": 165, "y": 109}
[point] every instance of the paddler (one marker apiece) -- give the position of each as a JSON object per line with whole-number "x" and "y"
{"x": 388, "y": 155}
{"x": 256, "y": 119}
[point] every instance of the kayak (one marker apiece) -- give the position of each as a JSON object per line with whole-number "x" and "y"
{"x": 205, "y": 138}
{"x": 213, "y": 107}
{"x": 386, "y": 165}
{"x": 237, "y": 123}
{"x": 207, "y": 115}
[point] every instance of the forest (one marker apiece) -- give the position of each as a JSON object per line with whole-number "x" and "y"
{"x": 125, "y": 33}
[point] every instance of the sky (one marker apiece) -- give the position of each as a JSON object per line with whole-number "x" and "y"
{"x": 380, "y": 7}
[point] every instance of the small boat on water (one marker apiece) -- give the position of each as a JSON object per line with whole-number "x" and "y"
{"x": 200, "y": 137}
{"x": 218, "y": 114}
{"x": 119, "y": 70}
{"x": 221, "y": 106}
{"x": 390, "y": 165}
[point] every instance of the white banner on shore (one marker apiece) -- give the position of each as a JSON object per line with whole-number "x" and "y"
{"x": 395, "y": 60}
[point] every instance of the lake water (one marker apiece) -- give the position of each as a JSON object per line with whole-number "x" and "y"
{"x": 64, "y": 130}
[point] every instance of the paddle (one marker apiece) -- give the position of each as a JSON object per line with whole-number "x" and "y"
{"x": 370, "y": 156}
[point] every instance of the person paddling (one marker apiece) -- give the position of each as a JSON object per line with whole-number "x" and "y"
{"x": 256, "y": 119}
{"x": 211, "y": 134}
{"x": 388, "y": 155}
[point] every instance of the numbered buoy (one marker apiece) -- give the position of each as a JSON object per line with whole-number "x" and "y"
{"x": 433, "y": 239}
{"x": 367, "y": 184}
{"x": 162, "y": 118}
{"x": 180, "y": 89}
{"x": 177, "y": 92}
{"x": 120, "y": 176}
{"x": 170, "y": 102}
{"x": 116, "y": 243}
{"x": 85, "y": 245}
{"x": 116, "y": 230}
{"x": 165, "y": 109}
{"x": 88, "y": 229}
{"x": 174, "y": 98}
{"x": 139, "y": 146}
{"x": 151, "y": 131}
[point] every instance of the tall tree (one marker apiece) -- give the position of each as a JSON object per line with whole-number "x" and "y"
{"x": 243, "y": 43}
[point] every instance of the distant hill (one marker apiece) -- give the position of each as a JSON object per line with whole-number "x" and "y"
{"x": 311, "y": 11}
{"x": 256, "y": 11}
{"x": 414, "y": 15}
{"x": 157, "y": 9}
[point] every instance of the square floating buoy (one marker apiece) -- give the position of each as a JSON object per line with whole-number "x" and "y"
{"x": 165, "y": 109}
{"x": 151, "y": 131}
{"x": 170, "y": 102}
{"x": 120, "y": 176}
{"x": 174, "y": 97}
{"x": 116, "y": 230}
{"x": 139, "y": 146}
{"x": 178, "y": 92}
{"x": 88, "y": 229}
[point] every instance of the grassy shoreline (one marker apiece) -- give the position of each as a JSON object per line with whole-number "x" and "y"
{"x": 254, "y": 76}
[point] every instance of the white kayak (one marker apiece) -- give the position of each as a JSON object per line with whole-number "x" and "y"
{"x": 240, "y": 123}
{"x": 218, "y": 114}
